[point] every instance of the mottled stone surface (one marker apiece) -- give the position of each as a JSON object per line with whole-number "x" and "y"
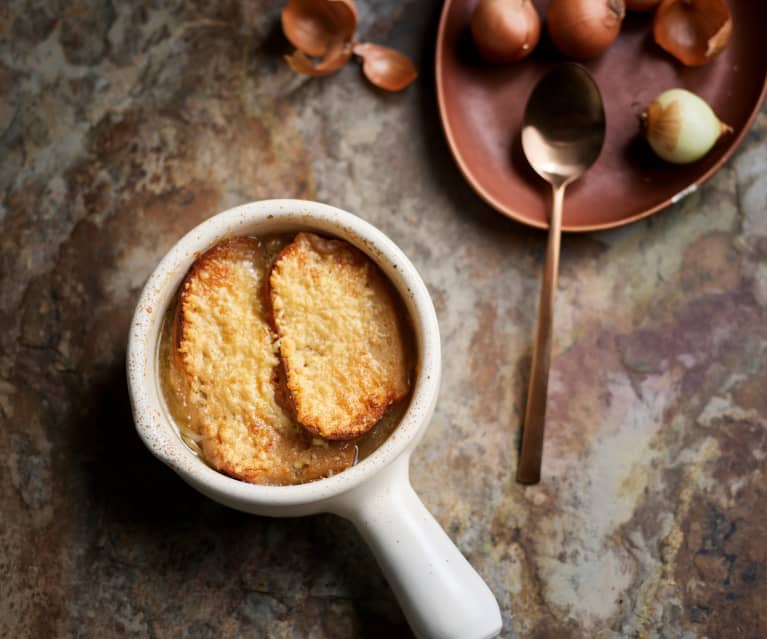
{"x": 122, "y": 125}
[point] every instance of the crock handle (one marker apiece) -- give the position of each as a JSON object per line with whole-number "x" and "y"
{"x": 441, "y": 595}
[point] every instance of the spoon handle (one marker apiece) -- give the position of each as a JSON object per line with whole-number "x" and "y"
{"x": 529, "y": 469}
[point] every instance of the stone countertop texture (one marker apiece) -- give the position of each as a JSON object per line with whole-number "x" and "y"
{"x": 122, "y": 125}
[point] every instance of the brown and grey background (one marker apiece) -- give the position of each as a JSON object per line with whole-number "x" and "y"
{"x": 124, "y": 124}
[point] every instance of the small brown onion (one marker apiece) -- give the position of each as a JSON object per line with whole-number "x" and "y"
{"x": 642, "y": 5}
{"x": 693, "y": 31}
{"x": 505, "y": 30}
{"x": 583, "y": 29}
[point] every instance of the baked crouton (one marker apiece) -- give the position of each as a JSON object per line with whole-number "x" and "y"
{"x": 224, "y": 368}
{"x": 340, "y": 336}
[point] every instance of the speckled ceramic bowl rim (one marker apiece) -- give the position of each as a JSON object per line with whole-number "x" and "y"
{"x": 153, "y": 421}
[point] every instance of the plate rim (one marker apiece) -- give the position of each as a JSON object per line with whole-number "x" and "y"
{"x": 511, "y": 213}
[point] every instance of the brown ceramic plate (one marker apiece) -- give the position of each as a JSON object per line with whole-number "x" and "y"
{"x": 481, "y": 108}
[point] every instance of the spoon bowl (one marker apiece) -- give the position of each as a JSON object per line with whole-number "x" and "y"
{"x": 564, "y": 124}
{"x": 562, "y": 135}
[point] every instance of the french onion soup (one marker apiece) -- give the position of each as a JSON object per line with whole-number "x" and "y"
{"x": 286, "y": 358}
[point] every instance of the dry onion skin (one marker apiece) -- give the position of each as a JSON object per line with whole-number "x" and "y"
{"x": 334, "y": 59}
{"x": 693, "y": 31}
{"x": 314, "y": 27}
{"x": 681, "y": 127}
{"x": 384, "y": 67}
{"x": 642, "y": 5}
{"x": 505, "y": 30}
{"x": 583, "y": 29}
{"x": 322, "y": 31}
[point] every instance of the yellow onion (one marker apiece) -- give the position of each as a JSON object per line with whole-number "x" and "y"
{"x": 505, "y": 30}
{"x": 693, "y": 31}
{"x": 681, "y": 127}
{"x": 583, "y": 29}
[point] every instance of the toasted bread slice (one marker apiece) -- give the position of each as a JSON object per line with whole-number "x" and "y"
{"x": 341, "y": 341}
{"x": 224, "y": 364}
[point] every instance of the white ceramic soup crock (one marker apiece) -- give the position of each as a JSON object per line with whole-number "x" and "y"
{"x": 440, "y": 593}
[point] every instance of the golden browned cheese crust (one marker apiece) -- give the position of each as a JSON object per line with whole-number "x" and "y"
{"x": 341, "y": 340}
{"x": 224, "y": 367}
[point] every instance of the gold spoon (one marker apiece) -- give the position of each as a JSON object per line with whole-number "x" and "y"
{"x": 562, "y": 135}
